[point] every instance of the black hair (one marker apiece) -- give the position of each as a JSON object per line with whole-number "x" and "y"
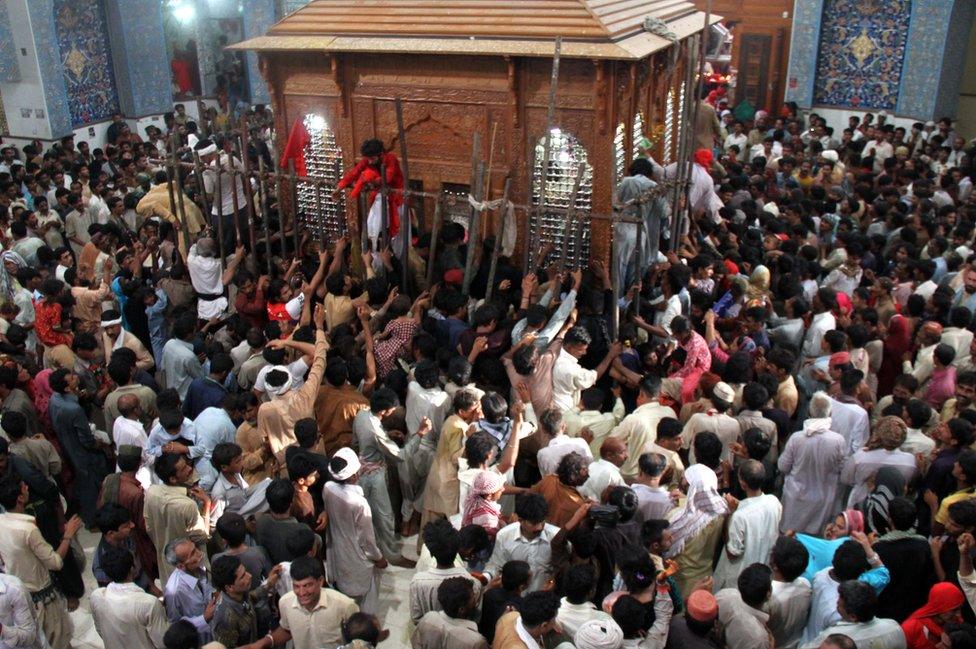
{"x": 902, "y": 513}
{"x": 232, "y": 528}
{"x": 652, "y": 464}
{"x": 361, "y": 626}
{"x": 300, "y": 542}
{"x": 110, "y": 517}
{"x": 306, "y": 432}
{"x": 755, "y": 583}
{"x": 383, "y": 399}
{"x": 531, "y": 507}
{"x": 538, "y": 608}
{"x": 454, "y": 595}
{"x": 669, "y": 428}
{"x": 305, "y": 568}
{"x": 708, "y": 449}
{"x": 478, "y": 447}
{"x": 494, "y": 407}
{"x": 860, "y": 600}
{"x": 223, "y": 571}
{"x": 14, "y": 423}
{"x": 630, "y": 615}
{"x": 224, "y": 453}
{"x": 165, "y": 466}
{"x": 754, "y": 396}
{"x": 279, "y": 495}
{"x": 117, "y": 563}
{"x": 182, "y": 634}
{"x": 790, "y": 557}
{"x": 515, "y": 575}
{"x": 443, "y": 541}
{"x": 578, "y": 583}
{"x": 850, "y": 560}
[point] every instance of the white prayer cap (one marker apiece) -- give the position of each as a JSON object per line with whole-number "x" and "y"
{"x": 352, "y": 464}
{"x": 599, "y": 634}
{"x": 829, "y": 154}
{"x": 724, "y": 391}
{"x": 771, "y": 208}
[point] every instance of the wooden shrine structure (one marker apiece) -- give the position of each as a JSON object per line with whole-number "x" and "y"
{"x": 466, "y": 67}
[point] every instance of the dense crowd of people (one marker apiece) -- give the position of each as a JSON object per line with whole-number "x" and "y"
{"x": 767, "y": 440}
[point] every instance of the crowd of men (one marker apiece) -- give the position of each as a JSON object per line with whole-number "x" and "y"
{"x": 765, "y": 441}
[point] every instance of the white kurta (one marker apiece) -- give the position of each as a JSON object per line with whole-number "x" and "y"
{"x": 788, "y": 608}
{"x": 862, "y": 466}
{"x": 127, "y": 616}
{"x": 352, "y": 545}
{"x": 131, "y": 432}
{"x": 811, "y": 463}
{"x": 206, "y": 274}
{"x": 852, "y": 421}
{"x": 753, "y": 529}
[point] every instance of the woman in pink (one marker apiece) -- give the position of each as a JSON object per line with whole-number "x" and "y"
{"x": 481, "y": 506}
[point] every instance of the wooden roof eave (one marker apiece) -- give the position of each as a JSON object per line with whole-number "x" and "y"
{"x": 633, "y": 48}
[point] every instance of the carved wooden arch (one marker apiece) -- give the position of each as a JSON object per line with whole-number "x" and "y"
{"x": 418, "y": 125}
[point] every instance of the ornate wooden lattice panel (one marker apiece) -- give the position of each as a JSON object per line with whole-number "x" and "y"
{"x": 322, "y": 215}
{"x": 566, "y": 157}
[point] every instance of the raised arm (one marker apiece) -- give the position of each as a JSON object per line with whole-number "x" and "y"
{"x": 231, "y": 269}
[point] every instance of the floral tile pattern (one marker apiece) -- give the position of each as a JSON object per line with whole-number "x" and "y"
{"x": 82, "y": 38}
{"x": 862, "y": 49}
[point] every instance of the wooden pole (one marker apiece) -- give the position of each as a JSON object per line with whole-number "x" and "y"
{"x": 219, "y": 205}
{"x": 487, "y": 182}
{"x": 184, "y": 227}
{"x": 435, "y": 232}
{"x": 244, "y": 145}
{"x": 499, "y": 233}
{"x": 474, "y": 240}
{"x": 384, "y": 238}
{"x": 262, "y": 196}
{"x": 614, "y": 271}
{"x": 406, "y": 224}
{"x": 570, "y": 229}
{"x": 472, "y": 187}
{"x": 293, "y": 188}
{"x": 547, "y": 146}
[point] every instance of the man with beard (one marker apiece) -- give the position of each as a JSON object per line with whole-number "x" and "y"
{"x": 966, "y": 294}
{"x": 965, "y": 394}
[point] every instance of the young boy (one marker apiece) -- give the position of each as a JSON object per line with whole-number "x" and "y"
{"x": 514, "y": 580}
{"x": 231, "y": 493}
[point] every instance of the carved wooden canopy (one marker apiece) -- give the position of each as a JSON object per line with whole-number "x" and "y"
{"x": 601, "y": 29}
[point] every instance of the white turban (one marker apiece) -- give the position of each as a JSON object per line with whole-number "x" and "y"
{"x": 281, "y": 389}
{"x": 352, "y": 464}
{"x": 599, "y": 634}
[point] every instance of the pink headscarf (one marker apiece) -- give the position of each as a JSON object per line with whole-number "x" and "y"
{"x": 485, "y": 484}
{"x": 42, "y": 394}
{"x": 854, "y": 520}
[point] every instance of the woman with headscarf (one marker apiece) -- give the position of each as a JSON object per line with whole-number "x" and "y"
{"x": 696, "y": 528}
{"x": 923, "y": 628}
{"x": 888, "y": 484}
{"x": 757, "y": 292}
{"x": 821, "y": 550}
{"x": 881, "y": 450}
{"x": 896, "y": 343}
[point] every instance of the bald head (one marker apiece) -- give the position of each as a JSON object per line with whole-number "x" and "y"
{"x": 206, "y": 247}
{"x": 613, "y": 450}
{"x": 129, "y": 406}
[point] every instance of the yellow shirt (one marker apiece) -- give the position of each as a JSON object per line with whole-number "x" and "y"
{"x": 942, "y": 516}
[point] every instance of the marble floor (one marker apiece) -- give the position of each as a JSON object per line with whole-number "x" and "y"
{"x": 394, "y": 605}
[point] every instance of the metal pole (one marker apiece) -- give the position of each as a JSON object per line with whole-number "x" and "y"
{"x": 499, "y": 233}
{"x": 474, "y": 238}
{"x": 281, "y": 208}
{"x": 198, "y": 171}
{"x": 435, "y": 232}
{"x": 319, "y": 212}
{"x": 262, "y": 194}
{"x": 547, "y": 146}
